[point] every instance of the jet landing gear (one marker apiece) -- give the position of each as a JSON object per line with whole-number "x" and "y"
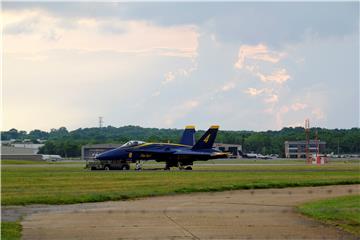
{"x": 184, "y": 167}
{"x": 138, "y": 166}
{"x": 179, "y": 165}
{"x": 167, "y": 167}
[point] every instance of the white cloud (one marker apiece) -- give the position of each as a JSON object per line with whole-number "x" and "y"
{"x": 228, "y": 86}
{"x": 171, "y": 76}
{"x": 279, "y": 76}
{"x": 268, "y": 95}
{"x": 258, "y": 52}
{"x": 252, "y": 57}
{"x": 272, "y": 99}
{"x": 71, "y": 59}
{"x": 254, "y": 91}
{"x": 48, "y": 32}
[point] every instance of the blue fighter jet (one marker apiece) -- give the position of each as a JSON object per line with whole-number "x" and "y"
{"x": 174, "y": 155}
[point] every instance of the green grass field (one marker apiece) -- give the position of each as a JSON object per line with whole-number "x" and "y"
{"x": 341, "y": 211}
{"x": 10, "y": 230}
{"x": 57, "y": 184}
{"x": 31, "y": 162}
{"x": 222, "y": 161}
{"x": 31, "y": 183}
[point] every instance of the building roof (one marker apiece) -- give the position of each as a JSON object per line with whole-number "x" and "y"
{"x": 226, "y": 145}
{"x": 10, "y": 150}
{"x": 103, "y": 145}
{"x": 304, "y": 142}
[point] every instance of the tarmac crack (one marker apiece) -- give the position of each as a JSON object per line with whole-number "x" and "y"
{"x": 180, "y": 226}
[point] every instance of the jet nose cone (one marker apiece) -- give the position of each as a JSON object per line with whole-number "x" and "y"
{"x": 99, "y": 156}
{"x": 115, "y": 154}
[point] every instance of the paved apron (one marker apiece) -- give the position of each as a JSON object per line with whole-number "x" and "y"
{"x": 243, "y": 214}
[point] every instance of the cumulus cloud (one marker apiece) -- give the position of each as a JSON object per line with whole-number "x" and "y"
{"x": 252, "y": 57}
{"x": 279, "y": 76}
{"x": 268, "y": 94}
{"x": 258, "y": 52}
{"x": 272, "y": 99}
{"x": 185, "y": 72}
{"x": 259, "y": 60}
{"x": 254, "y": 91}
{"x": 39, "y": 30}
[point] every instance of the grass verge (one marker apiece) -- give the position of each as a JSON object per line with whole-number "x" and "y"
{"x": 10, "y": 230}
{"x": 73, "y": 184}
{"x": 33, "y": 162}
{"x": 343, "y": 212}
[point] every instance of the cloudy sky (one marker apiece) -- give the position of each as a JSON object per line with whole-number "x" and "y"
{"x": 252, "y": 66}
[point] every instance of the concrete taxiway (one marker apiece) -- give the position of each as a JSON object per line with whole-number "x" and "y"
{"x": 242, "y": 214}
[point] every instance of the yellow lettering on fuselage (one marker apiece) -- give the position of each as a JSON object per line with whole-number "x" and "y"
{"x": 207, "y": 138}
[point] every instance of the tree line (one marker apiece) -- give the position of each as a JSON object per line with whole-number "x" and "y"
{"x": 68, "y": 143}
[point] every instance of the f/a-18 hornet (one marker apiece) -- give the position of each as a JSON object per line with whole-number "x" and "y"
{"x": 174, "y": 155}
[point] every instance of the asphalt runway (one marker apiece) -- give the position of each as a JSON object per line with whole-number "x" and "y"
{"x": 241, "y": 214}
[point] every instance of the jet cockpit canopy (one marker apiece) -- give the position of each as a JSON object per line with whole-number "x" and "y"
{"x": 132, "y": 143}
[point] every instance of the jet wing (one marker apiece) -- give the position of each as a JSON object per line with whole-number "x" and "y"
{"x": 201, "y": 154}
{"x": 193, "y": 153}
{"x": 157, "y": 151}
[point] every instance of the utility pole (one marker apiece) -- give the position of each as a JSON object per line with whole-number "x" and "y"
{"x": 100, "y": 122}
{"x": 307, "y": 131}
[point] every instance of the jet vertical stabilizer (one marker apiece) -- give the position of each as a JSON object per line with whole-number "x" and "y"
{"x": 207, "y": 140}
{"x": 188, "y": 137}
